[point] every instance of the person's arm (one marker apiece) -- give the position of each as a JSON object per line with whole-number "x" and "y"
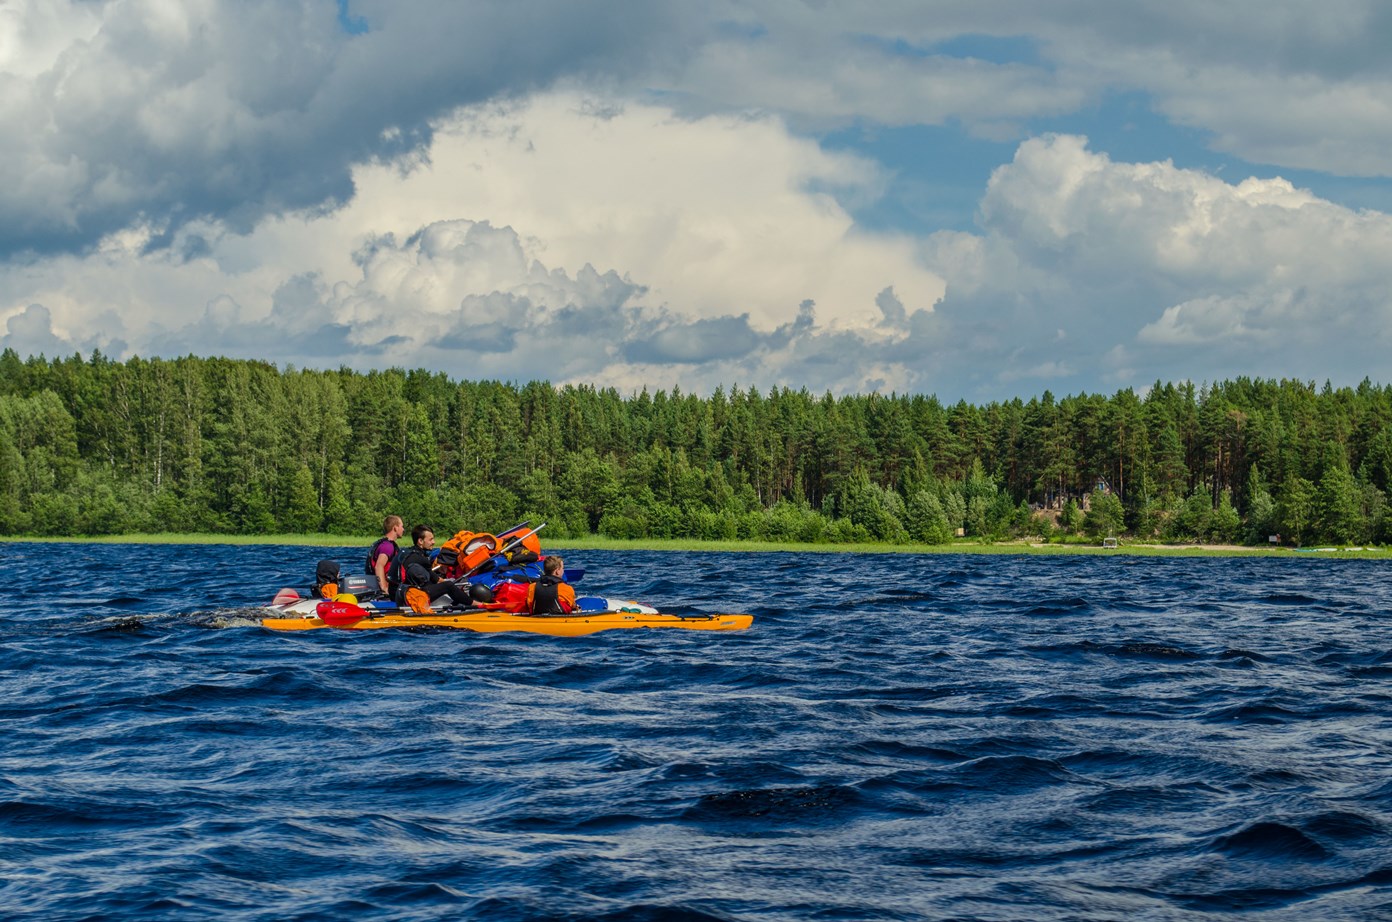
{"x": 381, "y": 568}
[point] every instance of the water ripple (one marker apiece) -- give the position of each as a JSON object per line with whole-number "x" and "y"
{"x": 906, "y": 738}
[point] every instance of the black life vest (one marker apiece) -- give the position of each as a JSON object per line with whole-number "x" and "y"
{"x": 546, "y": 598}
{"x": 372, "y": 555}
{"x": 399, "y": 570}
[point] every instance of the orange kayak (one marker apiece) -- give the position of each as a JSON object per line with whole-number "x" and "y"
{"x": 572, "y": 625}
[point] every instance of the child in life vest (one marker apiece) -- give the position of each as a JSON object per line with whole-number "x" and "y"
{"x": 551, "y": 595}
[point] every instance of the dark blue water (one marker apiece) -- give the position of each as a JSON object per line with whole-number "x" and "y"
{"x": 898, "y": 737}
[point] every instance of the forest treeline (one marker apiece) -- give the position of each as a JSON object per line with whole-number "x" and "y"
{"x": 96, "y": 446}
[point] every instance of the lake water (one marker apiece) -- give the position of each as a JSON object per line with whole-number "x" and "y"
{"x": 898, "y": 737}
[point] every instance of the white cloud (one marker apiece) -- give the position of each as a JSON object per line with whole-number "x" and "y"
{"x": 1087, "y": 272}
{"x": 714, "y": 215}
{"x": 705, "y": 236}
{"x": 1153, "y": 271}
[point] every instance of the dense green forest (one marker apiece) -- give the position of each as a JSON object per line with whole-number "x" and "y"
{"x": 95, "y": 446}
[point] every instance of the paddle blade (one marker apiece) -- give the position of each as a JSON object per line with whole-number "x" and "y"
{"x": 285, "y": 597}
{"x": 340, "y": 614}
{"x": 572, "y": 574}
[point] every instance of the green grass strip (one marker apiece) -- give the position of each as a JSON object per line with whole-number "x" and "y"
{"x": 600, "y": 543}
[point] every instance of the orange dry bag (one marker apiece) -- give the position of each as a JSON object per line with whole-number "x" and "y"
{"x": 465, "y": 551}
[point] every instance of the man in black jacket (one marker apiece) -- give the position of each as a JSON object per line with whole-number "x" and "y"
{"x": 412, "y": 569}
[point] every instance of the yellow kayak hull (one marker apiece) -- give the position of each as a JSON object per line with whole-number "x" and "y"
{"x": 555, "y": 625}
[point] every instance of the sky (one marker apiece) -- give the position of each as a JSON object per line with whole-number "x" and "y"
{"x": 979, "y": 200}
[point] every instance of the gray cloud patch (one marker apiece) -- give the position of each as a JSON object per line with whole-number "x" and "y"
{"x": 800, "y": 326}
{"x": 30, "y": 332}
{"x": 699, "y": 341}
{"x": 475, "y": 339}
{"x": 582, "y": 321}
{"x": 223, "y": 331}
{"x": 891, "y": 307}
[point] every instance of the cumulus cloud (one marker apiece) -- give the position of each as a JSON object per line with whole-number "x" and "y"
{"x": 626, "y": 245}
{"x": 1156, "y": 272}
{"x": 716, "y": 214}
{"x": 1086, "y": 273}
{"x": 149, "y": 113}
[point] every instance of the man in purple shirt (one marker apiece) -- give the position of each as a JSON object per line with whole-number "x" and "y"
{"x": 384, "y": 549}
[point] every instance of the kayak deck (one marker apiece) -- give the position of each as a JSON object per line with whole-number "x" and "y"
{"x": 573, "y": 625}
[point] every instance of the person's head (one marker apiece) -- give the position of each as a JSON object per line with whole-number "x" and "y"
{"x": 392, "y": 526}
{"x": 422, "y": 536}
{"x": 553, "y": 566}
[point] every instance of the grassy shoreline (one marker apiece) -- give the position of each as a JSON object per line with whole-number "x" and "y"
{"x": 692, "y": 545}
